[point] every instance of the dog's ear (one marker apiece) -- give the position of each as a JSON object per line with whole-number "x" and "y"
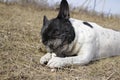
{"x": 45, "y": 24}
{"x": 64, "y": 10}
{"x": 45, "y": 21}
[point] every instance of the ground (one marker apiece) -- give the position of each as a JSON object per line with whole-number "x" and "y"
{"x": 21, "y": 48}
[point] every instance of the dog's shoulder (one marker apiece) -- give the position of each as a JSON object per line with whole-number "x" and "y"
{"x": 82, "y": 26}
{"x": 86, "y": 26}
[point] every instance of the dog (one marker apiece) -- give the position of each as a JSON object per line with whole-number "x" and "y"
{"x": 74, "y": 42}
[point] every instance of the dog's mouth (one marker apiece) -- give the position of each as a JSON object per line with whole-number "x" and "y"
{"x": 58, "y": 46}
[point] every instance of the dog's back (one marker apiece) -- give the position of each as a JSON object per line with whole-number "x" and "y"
{"x": 107, "y": 41}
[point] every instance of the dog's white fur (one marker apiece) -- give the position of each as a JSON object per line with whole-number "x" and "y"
{"x": 89, "y": 44}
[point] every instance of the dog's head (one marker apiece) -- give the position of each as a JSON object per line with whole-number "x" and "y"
{"x": 58, "y": 32}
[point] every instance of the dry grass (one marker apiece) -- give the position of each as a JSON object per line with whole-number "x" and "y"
{"x": 20, "y": 53}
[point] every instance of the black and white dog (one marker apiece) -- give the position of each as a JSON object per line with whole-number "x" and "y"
{"x": 70, "y": 41}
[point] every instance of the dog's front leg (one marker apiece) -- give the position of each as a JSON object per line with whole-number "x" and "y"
{"x": 44, "y": 59}
{"x": 84, "y": 57}
{"x": 58, "y": 62}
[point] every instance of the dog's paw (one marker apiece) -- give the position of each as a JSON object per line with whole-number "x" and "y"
{"x": 44, "y": 60}
{"x": 56, "y": 62}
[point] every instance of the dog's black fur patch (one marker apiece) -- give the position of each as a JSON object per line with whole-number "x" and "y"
{"x": 86, "y": 23}
{"x": 58, "y": 28}
{"x": 61, "y": 29}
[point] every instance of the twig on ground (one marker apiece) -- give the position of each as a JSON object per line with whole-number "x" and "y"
{"x": 110, "y": 75}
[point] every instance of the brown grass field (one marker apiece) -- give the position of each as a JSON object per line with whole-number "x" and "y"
{"x": 21, "y": 49}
